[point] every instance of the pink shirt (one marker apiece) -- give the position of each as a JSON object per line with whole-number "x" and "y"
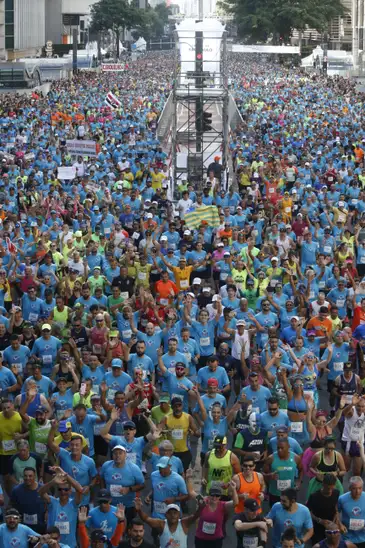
{"x": 210, "y": 526}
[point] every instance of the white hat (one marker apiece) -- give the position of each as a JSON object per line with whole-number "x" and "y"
{"x": 163, "y": 239}
{"x": 119, "y": 447}
{"x": 149, "y": 216}
{"x": 274, "y": 259}
{"x": 341, "y": 203}
{"x": 187, "y": 232}
{"x": 294, "y": 191}
{"x": 197, "y": 281}
{"x": 240, "y": 322}
{"x": 215, "y": 298}
{"x": 220, "y": 244}
{"x": 206, "y": 289}
{"x": 307, "y": 164}
{"x": 172, "y": 507}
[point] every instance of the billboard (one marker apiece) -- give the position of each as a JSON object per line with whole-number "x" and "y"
{"x": 212, "y": 37}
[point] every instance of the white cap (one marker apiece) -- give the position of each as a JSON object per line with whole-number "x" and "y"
{"x": 240, "y": 322}
{"x": 172, "y": 507}
{"x": 274, "y": 259}
{"x": 220, "y": 244}
{"x": 149, "y": 216}
{"x": 119, "y": 447}
{"x": 215, "y": 298}
{"x": 307, "y": 164}
{"x": 207, "y": 289}
{"x": 187, "y": 232}
{"x": 238, "y": 207}
{"x": 163, "y": 239}
{"x": 294, "y": 318}
{"x": 294, "y": 191}
{"x": 341, "y": 203}
{"x": 197, "y": 281}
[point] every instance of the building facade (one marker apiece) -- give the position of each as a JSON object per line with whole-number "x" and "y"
{"x": 22, "y": 28}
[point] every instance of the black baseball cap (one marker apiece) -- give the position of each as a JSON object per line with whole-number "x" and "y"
{"x": 251, "y": 505}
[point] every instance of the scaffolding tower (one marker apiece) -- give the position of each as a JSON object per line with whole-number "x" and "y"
{"x": 200, "y": 125}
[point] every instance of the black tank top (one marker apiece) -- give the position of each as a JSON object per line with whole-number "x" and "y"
{"x": 327, "y": 468}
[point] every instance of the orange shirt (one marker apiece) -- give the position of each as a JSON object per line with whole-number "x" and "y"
{"x": 163, "y": 289}
{"x": 322, "y": 329}
{"x": 359, "y": 317}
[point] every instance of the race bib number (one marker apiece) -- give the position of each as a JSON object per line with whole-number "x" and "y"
{"x": 209, "y": 528}
{"x": 159, "y": 507}
{"x": 127, "y": 334}
{"x": 309, "y": 393}
{"x": 297, "y": 427}
{"x": 131, "y": 457}
{"x": 362, "y": 259}
{"x": 224, "y": 275}
{"x": 249, "y": 542}
{"x": 338, "y": 366}
{"x": 97, "y": 348}
{"x": 142, "y": 276}
{"x": 19, "y": 367}
{"x": 356, "y": 433}
{"x": 47, "y": 359}
{"x": 340, "y": 303}
{"x": 184, "y": 284}
{"x": 205, "y": 341}
{"x": 164, "y": 302}
{"x": 177, "y": 434}
{"x": 356, "y": 524}
{"x": 8, "y": 445}
{"x": 30, "y": 519}
{"x": 40, "y": 448}
{"x": 33, "y": 317}
{"x": 287, "y": 209}
{"x": 115, "y": 490}
{"x": 283, "y": 484}
{"x": 124, "y": 295}
{"x": 327, "y": 249}
{"x": 63, "y": 526}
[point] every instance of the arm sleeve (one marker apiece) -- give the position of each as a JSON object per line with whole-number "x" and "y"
{"x": 117, "y": 535}
{"x": 83, "y": 536}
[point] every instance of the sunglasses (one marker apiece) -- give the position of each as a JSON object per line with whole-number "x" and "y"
{"x": 63, "y": 489}
{"x": 248, "y": 466}
{"x": 334, "y": 532}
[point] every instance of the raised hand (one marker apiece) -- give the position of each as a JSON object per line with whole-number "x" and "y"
{"x": 83, "y": 514}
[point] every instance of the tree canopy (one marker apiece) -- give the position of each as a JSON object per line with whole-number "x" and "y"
{"x": 259, "y": 20}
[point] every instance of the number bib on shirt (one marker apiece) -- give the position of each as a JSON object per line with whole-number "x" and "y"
{"x": 209, "y": 528}
{"x": 283, "y": 484}
{"x": 8, "y": 445}
{"x": 356, "y": 524}
{"x": 296, "y": 427}
{"x": 177, "y": 434}
{"x": 30, "y": 519}
{"x": 160, "y": 507}
{"x": 63, "y": 526}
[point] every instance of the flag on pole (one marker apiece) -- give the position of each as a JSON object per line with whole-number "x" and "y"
{"x": 209, "y": 214}
{"x": 11, "y": 247}
{"x": 112, "y": 101}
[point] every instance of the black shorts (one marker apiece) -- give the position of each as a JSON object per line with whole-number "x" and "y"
{"x": 354, "y": 450}
{"x": 101, "y": 446}
{"x": 5, "y": 464}
{"x": 330, "y": 386}
{"x": 185, "y": 457}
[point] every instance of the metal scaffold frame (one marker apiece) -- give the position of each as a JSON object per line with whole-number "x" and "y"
{"x": 195, "y": 95}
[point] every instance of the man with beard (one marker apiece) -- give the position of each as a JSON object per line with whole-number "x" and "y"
{"x": 136, "y": 536}
{"x": 140, "y": 360}
{"x": 14, "y": 533}
{"x": 38, "y": 427}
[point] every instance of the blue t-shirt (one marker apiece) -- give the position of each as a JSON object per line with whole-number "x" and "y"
{"x": 141, "y": 362}
{"x": 83, "y": 470}
{"x": 270, "y": 423}
{"x": 134, "y": 449}
{"x": 205, "y": 373}
{"x": 353, "y": 517}
{"x": 282, "y": 519}
{"x": 46, "y": 350}
{"x": 126, "y": 476}
{"x": 174, "y": 387}
{"x": 17, "y": 538}
{"x": 163, "y": 488}
{"x": 17, "y": 357}
{"x": 204, "y": 336}
{"x": 257, "y": 397}
{"x": 106, "y": 521}
{"x": 65, "y": 518}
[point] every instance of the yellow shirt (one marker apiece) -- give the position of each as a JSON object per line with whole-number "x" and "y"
{"x": 157, "y": 179}
{"x": 178, "y": 432}
{"x": 9, "y": 427}
{"x": 182, "y": 276}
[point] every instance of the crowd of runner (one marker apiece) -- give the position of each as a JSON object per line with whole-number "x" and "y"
{"x": 156, "y": 377}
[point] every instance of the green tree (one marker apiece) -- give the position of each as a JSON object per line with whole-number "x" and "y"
{"x": 114, "y": 15}
{"x": 259, "y": 20}
{"x": 153, "y": 22}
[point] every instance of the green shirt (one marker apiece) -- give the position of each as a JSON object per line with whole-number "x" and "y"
{"x": 18, "y": 466}
{"x": 38, "y": 437}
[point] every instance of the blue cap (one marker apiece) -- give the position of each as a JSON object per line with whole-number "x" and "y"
{"x": 41, "y": 409}
{"x": 164, "y": 462}
{"x": 117, "y": 362}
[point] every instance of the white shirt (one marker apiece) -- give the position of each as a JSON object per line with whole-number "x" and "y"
{"x": 80, "y": 169}
{"x": 183, "y": 206}
{"x": 237, "y": 347}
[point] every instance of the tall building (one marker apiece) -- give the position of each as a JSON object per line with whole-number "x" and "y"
{"x": 22, "y": 28}
{"x": 358, "y": 29}
{"x": 63, "y": 16}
